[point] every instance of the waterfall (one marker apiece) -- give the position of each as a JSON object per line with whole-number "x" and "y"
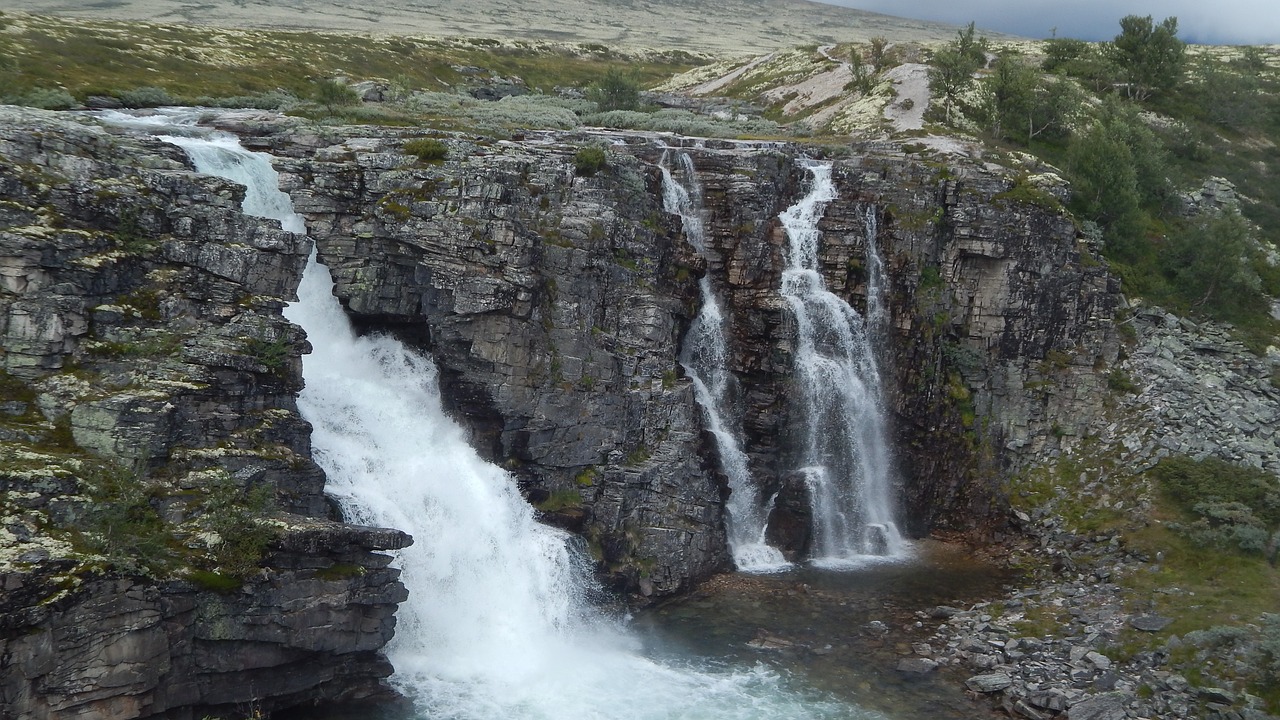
{"x": 845, "y": 460}
{"x": 705, "y": 358}
{"x": 496, "y": 624}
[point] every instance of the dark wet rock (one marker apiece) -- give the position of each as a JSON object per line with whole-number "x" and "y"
{"x": 917, "y": 665}
{"x": 1150, "y": 623}
{"x": 1100, "y": 707}
{"x": 989, "y": 682}
{"x": 790, "y": 526}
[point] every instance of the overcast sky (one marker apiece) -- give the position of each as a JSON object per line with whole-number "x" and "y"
{"x": 1204, "y": 21}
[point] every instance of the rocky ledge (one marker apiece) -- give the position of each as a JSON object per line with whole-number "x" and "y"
{"x": 308, "y": 627}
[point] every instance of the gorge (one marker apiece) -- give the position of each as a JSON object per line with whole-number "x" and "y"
{"x": 560, "y": 309}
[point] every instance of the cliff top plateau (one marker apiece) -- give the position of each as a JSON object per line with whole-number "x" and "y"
{"x": 721, "y": 27}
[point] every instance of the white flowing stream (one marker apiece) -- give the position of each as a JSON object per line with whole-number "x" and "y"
{"x": 705, "y": 358}
{"x": 496, "y": 624}
{"x": 845, "y": 461}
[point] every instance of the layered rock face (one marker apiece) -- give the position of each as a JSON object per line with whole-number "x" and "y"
{"x": 555, "y": 304}
{"x": 308, "y": 629}
{"x": 148, "y": 392}
{"x": 142, "y": 325}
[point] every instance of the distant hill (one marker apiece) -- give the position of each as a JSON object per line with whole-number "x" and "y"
{"x": 712, "y": 26}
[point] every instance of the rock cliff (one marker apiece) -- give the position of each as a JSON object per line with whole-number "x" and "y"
{"x": 165, "y": 544}
{"x": 555, "y": 301}
{"x": 142, "y": 339}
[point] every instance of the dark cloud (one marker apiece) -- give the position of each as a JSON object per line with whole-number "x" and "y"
{"x": 1204, "y": 21}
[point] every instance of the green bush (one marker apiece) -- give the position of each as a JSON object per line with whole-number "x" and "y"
{"x": 333, "y": 95}
{"x": 47, "y": 99}
{"x": 270, "y": 100}
{"x": 616, "y": 90}
{"x": 273, "y": 354}
{"x": 1230, "y": 507}
{"x": 1187, "y": 482}
{"x": 1119, "y": 381}
{"x": 589, "y": 160}
{"x": 145, "y": 97}
{"x": 237, "y": 515}
{"x": 1210, "y": 266}
{"x": 123, "y": 523}
{"x": 427, "y": 149}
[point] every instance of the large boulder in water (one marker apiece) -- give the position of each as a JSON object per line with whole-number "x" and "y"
{"x": 791, "y": 520}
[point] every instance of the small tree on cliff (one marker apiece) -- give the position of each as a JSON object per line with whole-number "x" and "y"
{"x": 953, "y": 67}
{"x": 1150, "y": 57}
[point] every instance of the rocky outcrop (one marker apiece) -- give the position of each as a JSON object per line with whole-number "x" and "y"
{"x": 165, "y": 544}
{"x": 553, "y": 304}
{"x": 307, "y": 629}
{"x": 1199, "y": 392}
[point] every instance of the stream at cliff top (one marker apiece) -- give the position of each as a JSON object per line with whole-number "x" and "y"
{"x": 499, "y": 623}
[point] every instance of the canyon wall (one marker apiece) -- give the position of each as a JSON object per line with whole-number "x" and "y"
{"x": 555, "y": 301}
{"x": 144, "y": 352}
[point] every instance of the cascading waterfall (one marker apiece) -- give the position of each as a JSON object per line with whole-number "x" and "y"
{"x": 705, "y": 358}
{"x": 496, "y": 624}
{"x": 846, "y": 463}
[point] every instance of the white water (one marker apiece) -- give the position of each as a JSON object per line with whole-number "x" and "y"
{"x": 705, "y": 358}
{"x": 845, "y": 460}
{"x": 495, "y": 625}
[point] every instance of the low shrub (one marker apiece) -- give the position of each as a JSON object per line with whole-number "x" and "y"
{"x": 145, "y": 97}
{"x": 333, "y": 94}
{"x": 427, "y": 149}
{"x": 589, "y": 160}
{"x": 1229, "y": 507}
{"x": 46, "y": 99}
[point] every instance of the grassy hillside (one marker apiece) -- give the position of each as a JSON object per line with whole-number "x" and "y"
{"x": 720, "y": 27}
{"x": 105, "y": 58}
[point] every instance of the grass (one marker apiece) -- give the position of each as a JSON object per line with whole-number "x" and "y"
{"x": 1209, "y": 589}
{"x": 1217, "y": 588}
{"x": 561, "y": 500}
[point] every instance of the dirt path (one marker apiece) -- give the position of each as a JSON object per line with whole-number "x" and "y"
{"x": 911, "y": 83}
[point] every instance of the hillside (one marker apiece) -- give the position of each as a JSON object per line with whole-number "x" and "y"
{"x": 722, "y": 27}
